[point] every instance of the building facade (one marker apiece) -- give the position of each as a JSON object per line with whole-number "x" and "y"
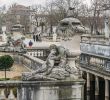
{"x": 19, "y": 14}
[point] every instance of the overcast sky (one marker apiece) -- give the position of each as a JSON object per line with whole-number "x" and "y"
{"x": 87, "y": 2}
{"x": 23, "y": 2}
{"x": 27, "y": 2}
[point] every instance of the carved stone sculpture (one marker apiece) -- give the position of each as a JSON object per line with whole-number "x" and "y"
{"x": 14, "y": 45}
{"x": 56, "y": 66}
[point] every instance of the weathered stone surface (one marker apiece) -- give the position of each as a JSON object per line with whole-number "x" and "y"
{"x": 56, "y": 67}
{"x": 14, "y": 45}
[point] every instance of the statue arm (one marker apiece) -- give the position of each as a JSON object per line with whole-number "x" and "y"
{"x": 54, "y": 57}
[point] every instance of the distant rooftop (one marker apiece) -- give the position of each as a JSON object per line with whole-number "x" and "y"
{"x": 19, "y": 7}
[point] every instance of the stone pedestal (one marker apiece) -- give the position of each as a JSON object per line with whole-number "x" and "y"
{"x": 52, "y": 90}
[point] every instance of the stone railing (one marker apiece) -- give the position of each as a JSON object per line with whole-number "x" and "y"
{"x": 35, "y": 57}
{"x": 95, "y": 63}
{"x": 32, "y": 63}
{"x": 38, "y": 52}
{"x": 41, "y": 90}
{"x": 95, "y": 39}
{"x": 98, "y": 70}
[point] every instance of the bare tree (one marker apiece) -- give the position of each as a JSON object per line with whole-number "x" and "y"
{"x": 96, "y": 15}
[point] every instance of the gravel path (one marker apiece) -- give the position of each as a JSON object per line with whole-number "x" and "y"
{"x": 15, "y": 71}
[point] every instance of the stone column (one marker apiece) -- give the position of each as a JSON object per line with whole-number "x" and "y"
{"x": 106, "y": 89}
{"x": 88, "y": 86}
{"x": 96, "y": 88}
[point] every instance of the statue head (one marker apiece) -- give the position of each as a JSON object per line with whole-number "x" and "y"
{"x": 53, "y": 47}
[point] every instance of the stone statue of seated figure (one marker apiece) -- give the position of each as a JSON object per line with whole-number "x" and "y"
{"x": 49, "y": 70}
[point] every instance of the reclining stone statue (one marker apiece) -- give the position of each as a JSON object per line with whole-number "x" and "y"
{"x": 56, "y": 66}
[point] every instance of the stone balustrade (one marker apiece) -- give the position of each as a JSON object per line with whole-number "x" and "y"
{"x": 38, "y": 52}
{"x": 96, "y": 64}
{"x": 95, "y": 39}
{"x": 41, "y": 90}
{"x": 31, "y": 62}
{"x": 35, "y": 57}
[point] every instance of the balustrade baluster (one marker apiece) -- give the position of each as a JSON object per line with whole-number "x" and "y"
{"x": 42, "y": 53}
{"x": 11, "y": 95}
{"x": 38, "y": 54}
{"x": 33, "y": 54}
{"x": 2, "y": 95}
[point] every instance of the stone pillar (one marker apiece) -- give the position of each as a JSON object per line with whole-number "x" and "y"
{"x": 96, "y": 88}
{"x": 88, "y": 86}
{"x": 106, "y": 89}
